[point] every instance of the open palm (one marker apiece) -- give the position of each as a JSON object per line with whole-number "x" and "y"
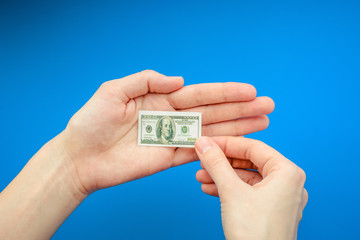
{"x": 101, "y": 138}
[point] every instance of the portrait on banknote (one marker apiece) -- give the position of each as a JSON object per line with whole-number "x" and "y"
{"x": 165, "y": 128}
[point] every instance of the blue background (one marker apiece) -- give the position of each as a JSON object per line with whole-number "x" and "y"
{"x": 303, "y": 54}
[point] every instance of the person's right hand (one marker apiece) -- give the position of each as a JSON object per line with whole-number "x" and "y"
{"x": 100, "y": 140}
{"x": 267, "y": 204}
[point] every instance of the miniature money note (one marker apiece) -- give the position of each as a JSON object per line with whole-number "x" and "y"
{"x": 169, "y": 129}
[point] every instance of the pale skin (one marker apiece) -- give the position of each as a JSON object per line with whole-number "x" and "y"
{"x": 263, "y": 204}
{"x": 98, "y": 148}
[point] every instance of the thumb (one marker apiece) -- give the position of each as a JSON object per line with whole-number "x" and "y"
{"x": 141, "y": 83}
{"x": 215, "y": 163}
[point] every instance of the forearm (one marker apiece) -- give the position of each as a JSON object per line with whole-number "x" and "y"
{"x": 41, "y": 197}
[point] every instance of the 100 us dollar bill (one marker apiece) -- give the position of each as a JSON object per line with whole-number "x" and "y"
{"x": 169, "y": 129}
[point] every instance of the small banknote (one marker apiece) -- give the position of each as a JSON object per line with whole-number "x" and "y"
{"x": 169, "y": 129}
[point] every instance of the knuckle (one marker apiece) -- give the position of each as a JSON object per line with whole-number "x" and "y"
{"x": 253, "y": 143}
{"x": 301, "y": 175}
{"x": 257, "y": 142}
{"x": 106, "y": 85}
{"x": 147, "y": 72}
{"x": 108, "y": 90}
{"x": 297, "y": 174}
{"x": 305, "y": 197}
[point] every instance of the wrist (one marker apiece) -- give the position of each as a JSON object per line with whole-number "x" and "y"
{"x": 65, "y": 168}
{"x": 42, "y": 196}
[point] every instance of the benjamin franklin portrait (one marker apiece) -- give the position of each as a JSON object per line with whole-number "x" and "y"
{"x": 165, "y": 130}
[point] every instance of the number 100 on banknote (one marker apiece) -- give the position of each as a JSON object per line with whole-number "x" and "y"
{"x": 169, "y": 129}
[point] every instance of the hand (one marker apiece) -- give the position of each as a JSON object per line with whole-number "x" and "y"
{"x": 101, "y": 139}
{"x": 267, "y": 204}
{"x": 98, "y": 148}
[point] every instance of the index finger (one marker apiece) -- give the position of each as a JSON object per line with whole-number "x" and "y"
{"x": 263, "y": 156}
{"x": 211, "y": 93}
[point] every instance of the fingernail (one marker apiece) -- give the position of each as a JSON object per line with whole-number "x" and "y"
{"x": 203, "y": 144}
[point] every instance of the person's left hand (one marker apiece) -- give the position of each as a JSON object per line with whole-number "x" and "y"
{"x": 101, "y": 138}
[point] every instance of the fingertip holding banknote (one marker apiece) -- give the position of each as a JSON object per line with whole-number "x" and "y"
{"x": 203, "y": 144}
{"x": 169, "y": 129}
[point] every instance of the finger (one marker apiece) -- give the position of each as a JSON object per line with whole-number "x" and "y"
{"x": 236, "y": 127}
{"x": 188, "y": 155}
{"x": 239, "y": 164}
{"x": 250, "y": 177}
{"x": 228, "y": 111}
{"x": 211, "y": 93}
{"x": 202, "y": 165}
{"x": 184, "y": 156}
{"x": 305, "y": 198}
{"x": 303, "y": 203}
{"x": 216, "y": 163}
{"x": 262, "y": 155}
{"x": 242, "y": 164}
{"x": 141, "y": 83}
{"x": 210, "y": 189}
